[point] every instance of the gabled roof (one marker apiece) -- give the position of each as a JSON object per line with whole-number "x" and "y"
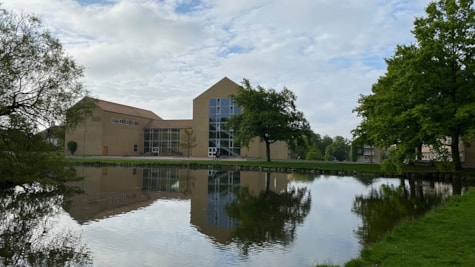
{"x": 223, "y": 83}
{"x": 126, "y": 110}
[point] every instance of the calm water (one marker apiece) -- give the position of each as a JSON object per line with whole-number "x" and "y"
{"x": 182, "y": 217}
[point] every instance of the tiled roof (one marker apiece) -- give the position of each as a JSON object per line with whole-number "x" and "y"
{"x": 126, "y": 110}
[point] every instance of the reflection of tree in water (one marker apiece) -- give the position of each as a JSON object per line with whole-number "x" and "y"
{"x": 383, "y": 209}
{"x": 27, "y": 233}
{"x": 268, "y": 218}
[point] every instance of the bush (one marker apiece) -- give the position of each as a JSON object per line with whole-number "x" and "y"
{"x": 72, "y": 147}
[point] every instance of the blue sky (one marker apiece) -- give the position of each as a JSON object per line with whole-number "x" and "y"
{"x": 160, "y": 54}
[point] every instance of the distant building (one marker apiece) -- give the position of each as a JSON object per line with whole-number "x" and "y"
{"x": 119, "y": 130}
{"x": 466, "y": 151}
{"x": 368, "y": 154}
{"x": 371, "y": 154}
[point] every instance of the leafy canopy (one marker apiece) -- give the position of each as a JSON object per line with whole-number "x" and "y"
{"x": 268, "y": 115}
{"x": 427, "y": 92}
{"x": 38, "y": 84}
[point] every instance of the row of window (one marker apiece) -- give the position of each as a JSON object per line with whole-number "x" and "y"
{"x": 161, "y": 140}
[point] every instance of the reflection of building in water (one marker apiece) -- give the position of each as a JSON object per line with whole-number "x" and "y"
{"x": 221, "y": 188}
{"x": 431, "y": 188}
{"x": 111, "y": 191}
{"x": 115, "y": 190}
{"x": 161, "y": 179}
{"x": 214, "y": 189}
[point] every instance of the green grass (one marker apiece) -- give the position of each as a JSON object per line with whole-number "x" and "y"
{"x": 342, "y": 168}
{"x": 289, "y": 164}
{"x": 443, "y": 237}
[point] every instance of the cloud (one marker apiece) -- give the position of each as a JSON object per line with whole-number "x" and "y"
{"x": 161, "y": 54}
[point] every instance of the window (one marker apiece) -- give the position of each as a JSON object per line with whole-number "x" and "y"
{"x": 163, "y": 140}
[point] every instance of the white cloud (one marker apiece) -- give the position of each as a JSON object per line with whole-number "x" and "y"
{"x": 161, "y": 54}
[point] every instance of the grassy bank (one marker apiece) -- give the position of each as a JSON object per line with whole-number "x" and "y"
{"x": 319, "y": 167}
{"x": 443, "y": 237}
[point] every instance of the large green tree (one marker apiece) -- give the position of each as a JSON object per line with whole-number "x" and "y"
{"x": 38, "y": 84}
{"x": 268, "y": 115}
{"x": 427, "y": 93}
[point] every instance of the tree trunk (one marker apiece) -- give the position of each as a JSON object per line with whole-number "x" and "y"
{"x": 455, "y": 150}
{"x": 419, "y": 152}
{"x": 267, "y": 150}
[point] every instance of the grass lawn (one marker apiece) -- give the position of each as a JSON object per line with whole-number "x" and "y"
{"x": 344, "y": 168}
{"x": 443, "y": 237}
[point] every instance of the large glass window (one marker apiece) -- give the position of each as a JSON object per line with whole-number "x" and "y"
{"x": 165, "y": 141}
{"x": 220, "y": 110}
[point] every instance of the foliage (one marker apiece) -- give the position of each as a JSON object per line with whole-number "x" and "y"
{"x": 314, "y": 154}
{"x": 383, "y": 209}
{"x": 29, "y": 232}
{"x": 443, "y": 237}
{"x": 27, "y": 158}
{"x": 268, "y": 218}
{"x": 269, "y": 115}
{"x": 339, "y": 149}
{"x": 314, "y": 147}
{"x": 72, "y": 147}
{"x": 427, "y": 92}
{"x": 38, "y": 81}
{"x": 188, "y": 141}
{"x": 38, "y": 84}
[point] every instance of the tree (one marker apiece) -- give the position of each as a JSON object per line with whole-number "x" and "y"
{"x": 427, "y": 93}
{"x": 269, "y": 115}
{"x": 388, "y": 114}
{"x": 38, "y": 84}
{"x": 314, "y": 154}
{"x": 188, "y": 141}
{"x": 338, "y": 150}
{"x": 314, "y": 146}
{"x": 323, "y": 143}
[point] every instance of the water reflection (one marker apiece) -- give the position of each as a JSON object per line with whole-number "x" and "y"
{"x": 267, "y": 218}
{"x": 384, "y": 207}
{"x": 212, "y": 198}
{"x": 111, "y": 191}
{"x": 185, "y": 217}
{"x": 27, "y": 234}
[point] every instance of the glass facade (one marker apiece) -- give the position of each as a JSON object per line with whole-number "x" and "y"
{"x": 219, "y": 138}
{"x": 162, "y": 141}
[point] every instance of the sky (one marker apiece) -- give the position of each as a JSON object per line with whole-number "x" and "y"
{"x": 161, "y": 54}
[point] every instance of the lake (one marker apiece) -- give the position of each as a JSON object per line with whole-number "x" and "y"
{"x": 186, "y": 217}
